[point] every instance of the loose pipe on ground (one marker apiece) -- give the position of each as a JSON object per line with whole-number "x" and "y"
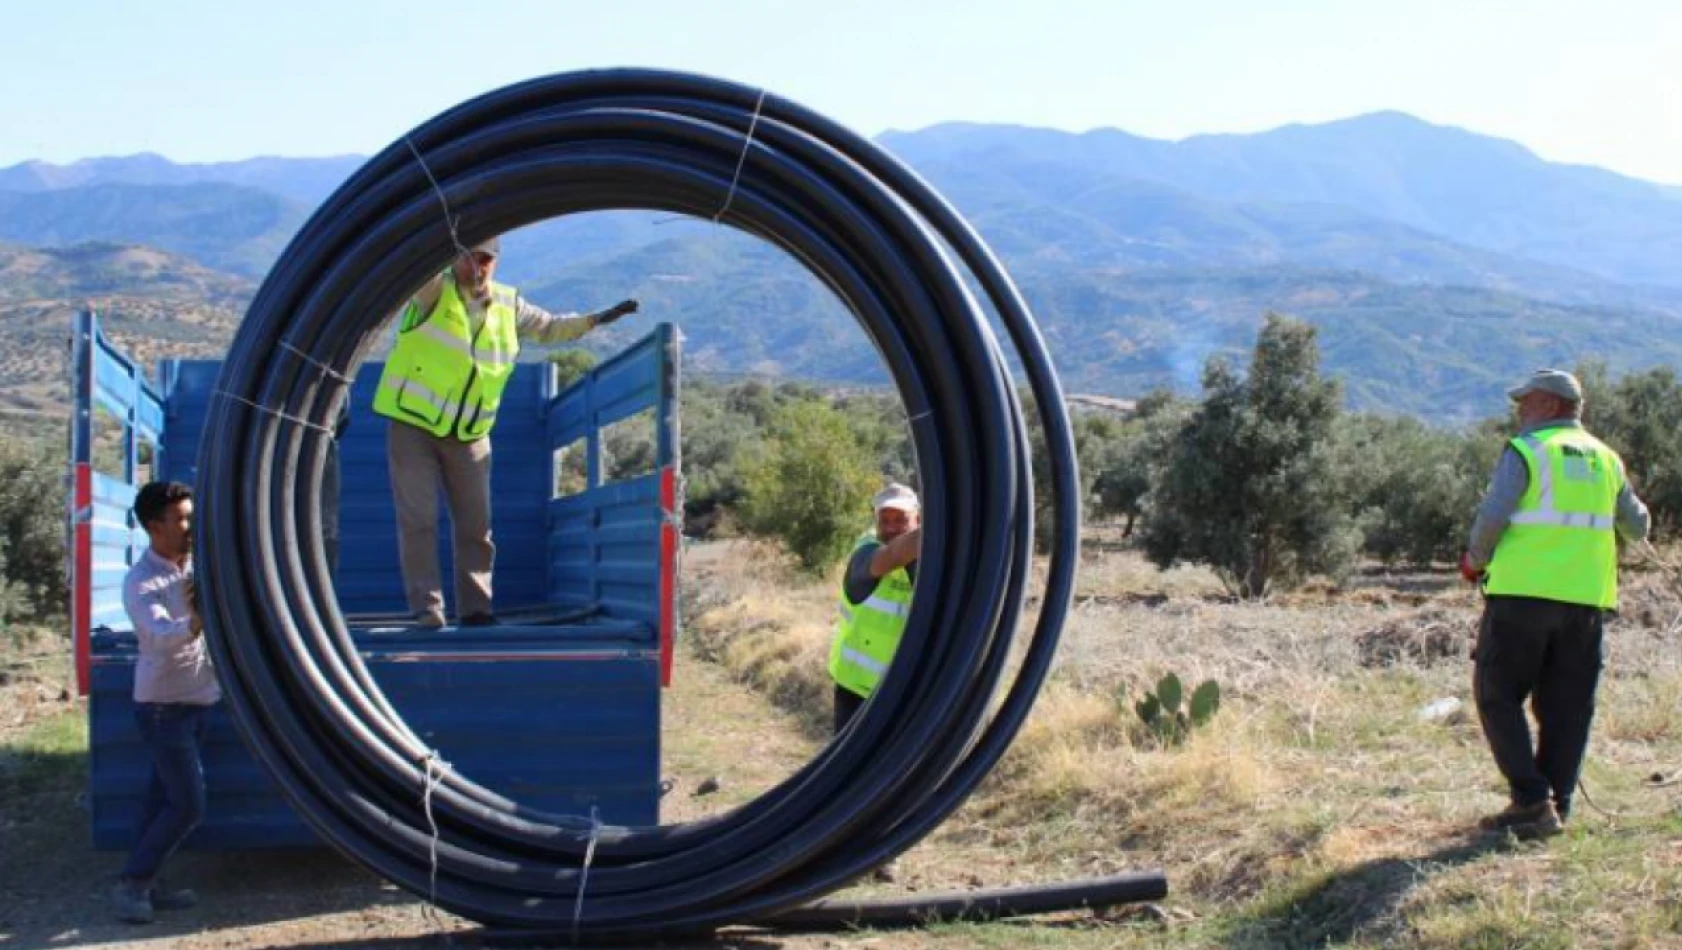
{"x": 873, "y": 233}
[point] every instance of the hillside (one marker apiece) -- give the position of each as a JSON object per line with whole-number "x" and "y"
{"x": 227, "y": 227}
{"x": 1438, "y": 263}
{"x": 154, "y": 304}
{"x": 305, "y": 180}
{"x": 1443, "y": 353}
{"x": 1468, "y": 188}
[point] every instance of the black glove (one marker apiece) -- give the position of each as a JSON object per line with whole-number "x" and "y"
{"x": 616, "y": 311}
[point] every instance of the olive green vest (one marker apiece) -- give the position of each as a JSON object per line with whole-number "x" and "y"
{"x": 1561, "y": 542}
{"x": 443, "y": 376}
{"x": 867, "y": 634}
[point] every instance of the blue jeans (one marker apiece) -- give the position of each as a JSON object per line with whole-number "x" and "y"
{"x": 175, "y": 797}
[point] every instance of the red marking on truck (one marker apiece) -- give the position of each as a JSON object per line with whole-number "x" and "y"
{"x": 81, "y": 598}
{"x": 668, "y": 570}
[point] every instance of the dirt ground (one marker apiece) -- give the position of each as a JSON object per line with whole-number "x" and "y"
{"x": 1321, "y": 804}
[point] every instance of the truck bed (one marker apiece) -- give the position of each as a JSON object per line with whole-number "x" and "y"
{"x": 556, "y": 706}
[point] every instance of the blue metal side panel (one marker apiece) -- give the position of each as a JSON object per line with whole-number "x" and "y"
{"x": 604, "y": 549}
{"x": 604, "y": 541}
{"x": 188, "y": 387}
{"x": 369, "y": 579}
{"x": 562, "y": 729}
{"x": 116, "y": 544}
{"x": 123, "y": 392}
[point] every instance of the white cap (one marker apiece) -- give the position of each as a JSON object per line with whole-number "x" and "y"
{"x": 897, "y": 496}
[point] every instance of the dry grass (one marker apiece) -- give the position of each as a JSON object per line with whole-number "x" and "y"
{"x": 1319, "y": 807}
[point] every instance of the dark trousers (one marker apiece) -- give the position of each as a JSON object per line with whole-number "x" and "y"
{"x": 847, "y": 704}
{"x": 175, "y": 797}
{"x": 1551, "y": 654}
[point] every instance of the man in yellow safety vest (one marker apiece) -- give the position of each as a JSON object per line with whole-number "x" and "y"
{"x": 1544, "y": 545}
{"x": 456, "y": 344}
{"x": 875, "y": 599}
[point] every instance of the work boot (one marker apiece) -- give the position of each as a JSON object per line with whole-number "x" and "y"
{"x": 165, "y": 897}
{"x": 426, "y": 620}
{"x": 480, "y": 620}
{"x": 1526, "y": 821}
{"x": 132, "y": 903}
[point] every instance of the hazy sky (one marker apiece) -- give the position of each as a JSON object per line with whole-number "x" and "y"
{"x": 1593, "y": 83}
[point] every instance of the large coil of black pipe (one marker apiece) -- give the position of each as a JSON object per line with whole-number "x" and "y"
{"x": 877, "y": 236}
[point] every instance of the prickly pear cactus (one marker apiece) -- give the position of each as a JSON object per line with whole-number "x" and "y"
{"x": 1162, "y": 713}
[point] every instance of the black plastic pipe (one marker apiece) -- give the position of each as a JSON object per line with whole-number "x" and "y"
{"x": 895, "y": 254}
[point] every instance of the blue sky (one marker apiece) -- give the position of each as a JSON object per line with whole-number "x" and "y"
{"x": 1592, "y": 83}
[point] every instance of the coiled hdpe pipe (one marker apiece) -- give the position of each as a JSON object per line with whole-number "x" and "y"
{"x": 895, "y": 254}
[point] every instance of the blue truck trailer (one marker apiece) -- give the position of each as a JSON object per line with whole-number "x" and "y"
{"x": 557, "y": 706}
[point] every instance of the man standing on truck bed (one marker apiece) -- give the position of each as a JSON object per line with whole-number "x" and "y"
{"x": 455, "y": 350}
{"x": 174, "y": 690}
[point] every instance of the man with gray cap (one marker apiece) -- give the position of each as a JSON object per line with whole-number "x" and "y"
{"x": 1544, "y": 545}
{"x": 456, "y": 344}
{"x": 875, "y": 599}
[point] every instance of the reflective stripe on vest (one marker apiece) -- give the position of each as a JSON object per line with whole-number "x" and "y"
{"x": 867, "y": 634}
{"x": 1546, "y": 511}
{"x": 853, "y": 656}
{"x": 1561, "y": 544}
{"x": 446, "y": 376}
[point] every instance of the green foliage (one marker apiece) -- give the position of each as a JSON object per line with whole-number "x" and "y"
{"x": 727, "y": 427}
{"x": 1160, "y": 710}
{"x": 716, "y": 442}
{"x": 1641, "y": 417}
{"x": 32, "y": 529}
{"x": 1247, "y": 488}
{"x": 1124, "y": 458}
{"x": 810, "y": 485}
{"x": 1414, "y": 489}
{"x": 11, "y": 604}
{"x": 571, "y": 364}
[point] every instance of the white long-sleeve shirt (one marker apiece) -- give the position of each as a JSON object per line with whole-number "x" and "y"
{"x": 174, "y": 666}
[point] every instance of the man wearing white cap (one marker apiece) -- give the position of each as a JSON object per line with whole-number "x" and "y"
{"x": 1544, "y": 545}
{"x": 456, "y": 345}
{"x": 875, "y": 599}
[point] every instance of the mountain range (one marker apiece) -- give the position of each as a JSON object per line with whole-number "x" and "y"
{"x": 1437, "y": 262}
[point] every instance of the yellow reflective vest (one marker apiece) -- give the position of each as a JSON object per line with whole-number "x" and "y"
{"x": 446, "y": 376}
{"x": 867, "y": 635}
{"x": 1561, "y": 543}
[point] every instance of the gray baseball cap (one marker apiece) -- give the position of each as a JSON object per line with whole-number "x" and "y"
{"x": 1555, "y": 382}
{"x": 491, "y": 246}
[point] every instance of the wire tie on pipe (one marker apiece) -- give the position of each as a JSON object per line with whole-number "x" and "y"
{"x": 328, "y": 370}
{"x": 434, "y": 775}
{"x": 742, "y": 159}
{"x": 449, "y": 219}
{"x": 297, "y": 420}
{"x": 584, "y": 878}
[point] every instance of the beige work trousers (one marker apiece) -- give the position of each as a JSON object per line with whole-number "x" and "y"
{"x": 419, "y": 462}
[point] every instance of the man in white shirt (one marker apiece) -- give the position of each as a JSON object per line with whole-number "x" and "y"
{"x": 174, "y": 690}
